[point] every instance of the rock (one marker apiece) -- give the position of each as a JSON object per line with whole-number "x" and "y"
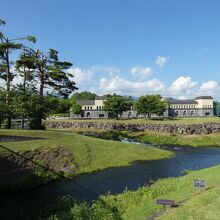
{"x": 206, "y": 128}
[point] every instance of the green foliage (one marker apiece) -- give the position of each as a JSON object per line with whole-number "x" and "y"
{"x": 2, "y": 22}
{"x": 37, "y": 110}
{"x": 77, "y": 109}
{"x": 56, "y": 75}
{"x": 114, "y": 105}
{"x": 150, "y": 104}
{"x": 60, "y": 115}
{"x": 36, "y": 69}
{"x": 7, "y": 46}
{"x": 83, "y": 96}
{"x": 31, "y": 38}
{"x": 58, "y": 105}
{"x": 3, "y": 107}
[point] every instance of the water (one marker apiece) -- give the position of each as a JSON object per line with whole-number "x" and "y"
{"x": 88, "y": 187}
{"x": 9, "y": 138}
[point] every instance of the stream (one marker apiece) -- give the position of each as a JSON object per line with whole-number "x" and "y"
{"x": 87, "y": 187}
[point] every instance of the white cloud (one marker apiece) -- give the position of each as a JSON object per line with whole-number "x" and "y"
{"x": 209, "y": 86}
{"x": 81, "y": 76}
{"x": 122, "y": 86}
{"x": 183, "y": 86}
{"x": 102, "y": 80}
{"x": 161, "y": 61}
{"x": 84, "y": 76}
{"x": 141, "y": 71}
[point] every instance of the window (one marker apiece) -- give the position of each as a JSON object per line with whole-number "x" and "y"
{"x": 184, "y": 113}
{"x": 97, "y": 107}
{"x": 192, "y": 113}
{"x": 101, "y": 115}
{"x": 88, "y": 114}
{"x": 90, "y": 107}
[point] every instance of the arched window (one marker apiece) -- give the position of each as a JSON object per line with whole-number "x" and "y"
{"x": 88, "y": 114}
{"x": 184, "y": 113}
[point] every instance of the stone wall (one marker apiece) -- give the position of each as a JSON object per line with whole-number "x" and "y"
{"x": 206, "y": 128}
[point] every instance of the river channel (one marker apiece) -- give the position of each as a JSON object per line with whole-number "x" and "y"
{"x": 87, "y": 187}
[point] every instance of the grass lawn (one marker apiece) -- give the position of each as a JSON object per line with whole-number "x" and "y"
{"x": 90, "y": 154}
{"x": 204, "y": 206}
{"x": 209, "y": 140}
{"x": 153, "y": 137}
{"x": 141, "y": 204}
{"x": 148, "y": 121}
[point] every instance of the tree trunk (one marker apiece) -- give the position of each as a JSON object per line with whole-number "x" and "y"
{"x": 41, "y": 90}
{"x": 8, "y": 89}
{"x": 22, "y": 123}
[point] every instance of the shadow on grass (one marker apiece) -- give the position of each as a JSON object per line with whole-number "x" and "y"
{"x": 19, "y": 172}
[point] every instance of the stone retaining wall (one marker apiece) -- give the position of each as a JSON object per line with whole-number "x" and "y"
{"x": 206, "y": 128}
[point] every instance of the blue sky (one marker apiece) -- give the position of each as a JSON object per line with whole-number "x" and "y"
{"x": 132, "y": 47}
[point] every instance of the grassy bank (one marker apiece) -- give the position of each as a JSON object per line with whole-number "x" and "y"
{"x": 141, "y": 204}
{"x": 204, "y": 206}
{"x": 154, "y": 137}
{"x": 189, "y": 140}
{"x": 148, "y": 121}
{"x": 90, "y": 154}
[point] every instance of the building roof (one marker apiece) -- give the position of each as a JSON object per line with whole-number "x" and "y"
{"x": 204, "y": 97}
{"x": 86, "y": 102}
{"x": 182, "y": 101}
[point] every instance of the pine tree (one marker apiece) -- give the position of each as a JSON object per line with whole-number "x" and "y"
{"x": 7, "y": 46}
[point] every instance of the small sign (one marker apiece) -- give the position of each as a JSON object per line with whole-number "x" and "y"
{"x": 165, "y": 202}
{"x": 199, "y": 183}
